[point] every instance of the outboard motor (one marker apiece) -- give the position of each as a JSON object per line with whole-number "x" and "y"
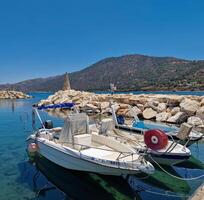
{"x": 48, "y": 124}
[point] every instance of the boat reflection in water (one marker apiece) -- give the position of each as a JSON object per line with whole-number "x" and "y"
{"x": 51, "y": 181}
{"x": 80, "y": 185}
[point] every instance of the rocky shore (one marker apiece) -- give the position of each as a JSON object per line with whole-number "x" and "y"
{"x": 174, "y": 109}
{"x": 5, "y": 94}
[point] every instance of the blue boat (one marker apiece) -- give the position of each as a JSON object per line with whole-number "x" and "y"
{"x": 140, "y": 126}
{"x": 151, "y": 125}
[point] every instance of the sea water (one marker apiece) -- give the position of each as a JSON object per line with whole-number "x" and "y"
{"x": 22, "y": 180}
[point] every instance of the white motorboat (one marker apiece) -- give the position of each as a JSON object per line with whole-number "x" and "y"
{"x": 76, "y": 147}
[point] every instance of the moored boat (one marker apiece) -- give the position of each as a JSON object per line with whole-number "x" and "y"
{"x": 140, "y": 126}
{"x": 76, "y": 147}
{"x": 170, "y": 154}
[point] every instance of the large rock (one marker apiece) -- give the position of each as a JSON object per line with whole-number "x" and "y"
{"x": 152, "y": 104}
{"x": 175, "y": 110}
{"x": 155, "y": 102}
{"x": 200, "y": 112}
{"x": 174, "y": 100}
{"x": 162, "y": 117}
{"x": 178, "y": 118}
{"x": 104, "y": 105}
{"x": 189, "y": 106}
{"x": 121, "y": 99}
{"x": 202, "y": 102}
{"x": 124, "y": 112}
{"x": 137, "y": 100}
{"x": 101, "y": 97}
{"x": 195, "y": 121}
{"x": 62, "y": 100}
{"x": 155, "y": 105}
{"x": 140, "y": 106}
{"x": 13, "y": 95}
{"x": 134, "y": 111}
{"x": 161, "y": 98}
{"x": 161, "y": 107}
{"x": 149, "y": 113}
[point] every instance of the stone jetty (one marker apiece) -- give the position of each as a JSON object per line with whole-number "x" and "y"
{"x": 5, "y": 94}
{"x": 174, "y": 109}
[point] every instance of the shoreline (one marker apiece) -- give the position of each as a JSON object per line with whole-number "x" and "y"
{"x": 11, "y": 94}
{"x": 167, "y": 92}
{"x": 178, "y": 92}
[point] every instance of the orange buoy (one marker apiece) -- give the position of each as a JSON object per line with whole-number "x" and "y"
{"x": 32, "y": 147}
{"x": 155, "y": 139}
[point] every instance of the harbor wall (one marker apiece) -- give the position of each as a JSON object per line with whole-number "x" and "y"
{"x": 167, "y": 108}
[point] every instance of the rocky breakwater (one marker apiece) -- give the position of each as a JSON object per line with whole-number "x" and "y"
{"x": 13, "y": 95}
{"x": 174, "y": 109}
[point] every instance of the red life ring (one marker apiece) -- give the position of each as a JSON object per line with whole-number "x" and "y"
{"x": 155, "y": 139}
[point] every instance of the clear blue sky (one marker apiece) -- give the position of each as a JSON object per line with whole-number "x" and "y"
{"x": 40, "y": 38}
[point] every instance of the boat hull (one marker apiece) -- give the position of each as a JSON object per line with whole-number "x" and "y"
{"x": 166, "y": 159}
{"x": 64, "y": 159}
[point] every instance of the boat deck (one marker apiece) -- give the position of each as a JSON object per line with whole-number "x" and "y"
{"x": 104, "y": 152}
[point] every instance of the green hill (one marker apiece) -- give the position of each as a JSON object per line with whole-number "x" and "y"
{"x": 129, "y": 72}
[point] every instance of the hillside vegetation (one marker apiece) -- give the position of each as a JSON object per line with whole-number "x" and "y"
{"x": 130, "y": 72}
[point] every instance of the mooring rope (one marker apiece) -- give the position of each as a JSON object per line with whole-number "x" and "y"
{"x": 177, "y": 177}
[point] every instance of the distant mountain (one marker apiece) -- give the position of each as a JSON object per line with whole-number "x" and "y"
{"x": 39, "y": 84}
{"x": 129, "y": 72}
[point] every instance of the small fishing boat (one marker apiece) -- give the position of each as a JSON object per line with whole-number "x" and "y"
{"x": 154, "y": 142}
{"x": 140, "y": 126}
{"x": 76, "y": 147}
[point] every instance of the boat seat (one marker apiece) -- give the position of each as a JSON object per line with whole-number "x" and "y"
{"x": 56, "y": 129}
{"x": 184, "y": 131}
{"x": 107, "y": 125}
{"x": 82, "y": 139}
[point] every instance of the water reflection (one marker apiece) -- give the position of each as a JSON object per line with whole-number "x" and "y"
{"x": 12, "y": 104}
{"x": 160, "y": 183}
{"x": 76, "y": 185}
{"x": 47, "y": 179}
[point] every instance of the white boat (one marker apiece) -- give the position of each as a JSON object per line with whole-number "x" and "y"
{"x": 169, "y": 154}
{"x": 172, "y": 153}
{"x": 76, "y": 147}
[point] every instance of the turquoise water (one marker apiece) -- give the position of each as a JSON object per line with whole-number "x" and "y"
{"x": 21, "y": 180}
